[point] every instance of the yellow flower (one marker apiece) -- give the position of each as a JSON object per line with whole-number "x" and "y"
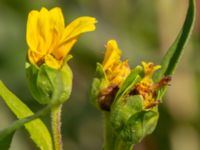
{"x": 49, "y": 40}
{"x": 150, "y": 68}
{"x": 115, "y": 69}
{"x": 146, "y": 87}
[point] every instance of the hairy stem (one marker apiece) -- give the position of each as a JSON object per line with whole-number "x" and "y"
{"x": 56, "y": 127}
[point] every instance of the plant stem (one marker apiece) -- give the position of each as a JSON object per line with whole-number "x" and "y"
{"x": 20, "y": 123}
{"x": 120, "y": 144}
{"x": 112, "y": 140}
{"x": 109, "y": 138}
{"x": 56, "y": 127}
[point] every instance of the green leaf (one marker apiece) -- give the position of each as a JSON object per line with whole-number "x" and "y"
{"x": 173, "y": 55}
{"x": 5, "y": 142}
{"x": 36, "y": 128}
{"x": 130, "y": 81}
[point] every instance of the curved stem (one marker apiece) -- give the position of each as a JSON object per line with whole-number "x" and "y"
{"x": 56, "y": 127}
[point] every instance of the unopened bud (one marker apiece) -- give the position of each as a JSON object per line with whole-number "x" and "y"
{"x": 43, "y": 82}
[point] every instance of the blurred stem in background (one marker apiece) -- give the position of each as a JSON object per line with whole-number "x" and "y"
{"x": 196, "y": 62}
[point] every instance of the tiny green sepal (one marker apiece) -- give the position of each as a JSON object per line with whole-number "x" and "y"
{"x": 44, "y": 80}
{"x": 100, "y": 73}
{"x": 98, "y": 83}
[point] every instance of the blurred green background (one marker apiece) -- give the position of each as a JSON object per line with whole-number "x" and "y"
{"x": 144, "y": 30}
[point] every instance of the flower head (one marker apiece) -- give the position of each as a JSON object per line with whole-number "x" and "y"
{"x": 150, "y": 68}
{"x": 49, "y": 40}
{"x": 115, "y": 72}
{"x": 49, "y": 44}
{"x": 115, "y": 69}
{"x": 146, "y": 87}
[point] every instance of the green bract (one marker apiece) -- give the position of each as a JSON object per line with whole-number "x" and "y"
{"x": 44, "y": 80}
{"x": 99, "y": 82}
{"x": 129, "y": 120}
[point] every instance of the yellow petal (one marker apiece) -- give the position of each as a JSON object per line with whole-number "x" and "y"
{"x": 63, "y": 49}
{"x": 150, "y": 68}
{"x": 52, "y": 62}
{"x": 44, "y": 31}
{"x": 34, "y": 57}
{"x": 112, "y": 54}
{"x": 78, "y": 26}
{"x": 118, "y": 73}
{"x": 32, "y": 33}
{"x": 38, "y": 31}
{"x": 57, "y": 20}
{"x": 71, "y": 34}
{"x": 57, "y": 26}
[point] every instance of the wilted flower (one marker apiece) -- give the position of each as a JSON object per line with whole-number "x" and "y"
{"x": 146, "y": 87}
{"x": 116, "y": 71}
{"x": 129, "y": 97}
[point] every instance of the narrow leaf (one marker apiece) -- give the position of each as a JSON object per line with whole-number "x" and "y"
{"x": 36, "y": 128}
{"x": 130, "y": 81}
{"x": 173, "y": 55}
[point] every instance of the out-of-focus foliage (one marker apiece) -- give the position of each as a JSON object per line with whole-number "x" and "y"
{"x": 144, "y": 30}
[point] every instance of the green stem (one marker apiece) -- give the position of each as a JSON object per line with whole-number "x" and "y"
{"x": 112, "y": 140}
{"x": 120, "y": 144}
{"x": 109, "y": 138}
{"x": 19, "y": 123}
{"x": 56, "y": 127}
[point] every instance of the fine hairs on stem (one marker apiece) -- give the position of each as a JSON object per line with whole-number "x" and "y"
{"x": 56, "y": 127}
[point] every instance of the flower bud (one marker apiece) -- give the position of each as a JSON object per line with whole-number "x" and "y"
{"x": 49, "y": 43}
{"x": 43, "y": 82}
{"x": 139, "y": 125}
{"x": 131, "y": 121}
